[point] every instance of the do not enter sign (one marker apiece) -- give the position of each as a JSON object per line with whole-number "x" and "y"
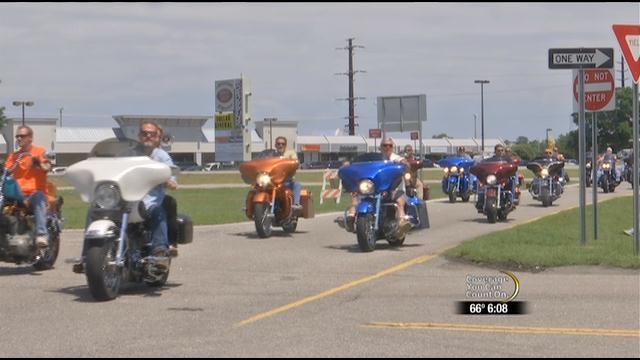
{"x": 599, "y": 90}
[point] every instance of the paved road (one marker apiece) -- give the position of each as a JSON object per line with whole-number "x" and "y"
{"x": 314, "y": 294}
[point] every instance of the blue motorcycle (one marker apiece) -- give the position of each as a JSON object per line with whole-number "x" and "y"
{"x": 458, "y": 180}
{"x": 375, "y": 180}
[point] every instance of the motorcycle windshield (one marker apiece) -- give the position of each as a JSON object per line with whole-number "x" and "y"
{"x": 456, "y": 161}
{"x": 386, "y": 175}
{"x": 120, "y": 162}
{"x": 278, "y": 168}
{"x": 554, "y": 166}
{"x": 501, "y": 169}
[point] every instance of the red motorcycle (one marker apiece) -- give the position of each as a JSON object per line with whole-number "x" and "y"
{"x": 499, "y": 187}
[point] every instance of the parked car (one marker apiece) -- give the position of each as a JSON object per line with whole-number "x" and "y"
{"x": 428, "y": 163}
{"x": 212, "y": 166}
{"x": 59, "y": 170}
{"x": 187, "y": 165}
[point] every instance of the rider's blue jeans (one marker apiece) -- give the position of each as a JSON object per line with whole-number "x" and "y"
{"x": 297, "y": 190}
{"x": 159, "y": 232}
{"x": 38, "y": 201}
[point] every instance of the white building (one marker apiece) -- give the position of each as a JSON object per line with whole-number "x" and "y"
{"x": 193, "y": 139}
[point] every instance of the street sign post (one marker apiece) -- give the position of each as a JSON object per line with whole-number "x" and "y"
{"x": 629, "y": 38}
{"x": 581, "y": 58}
{"x": 375, "y": 134}
{"x": 599, "y": 90}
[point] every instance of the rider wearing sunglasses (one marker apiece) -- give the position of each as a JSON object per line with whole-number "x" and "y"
{"x": 281, "y": 148}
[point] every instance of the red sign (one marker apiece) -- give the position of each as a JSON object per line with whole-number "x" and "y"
{"x": 375, "y": 133}
{"x": 311, "y": 147}
{"x": 599, "y": 89}
{"x": 415, "y": 135}
{"x": 628, "y": 36}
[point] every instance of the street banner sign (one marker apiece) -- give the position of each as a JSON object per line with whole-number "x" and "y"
{"x": 415, "y": 135}
{"x": 581, "y": 58}
{"x": 375, "y": 133}
{"x": 629, "y": 39}
{"x": 599, "y": 90}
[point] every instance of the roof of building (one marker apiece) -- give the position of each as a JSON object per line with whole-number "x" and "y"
{"x": 83, "y": 134}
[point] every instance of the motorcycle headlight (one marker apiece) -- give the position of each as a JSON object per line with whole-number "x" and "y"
{"x": 461, "y": 170}
{"x": 606, "y": 166}
{"x": 263, "y": 180}
{"x": 107, "y": 196}
{"x": 446, "y": 170}
{"x": 366, "y": 187}
{"x": 454, "y": 169}
{"x": 544, "y": 173}
{"x": 491, "y": 179}
{"x": 407, "y": 177}
{"x": 588, "y": 165}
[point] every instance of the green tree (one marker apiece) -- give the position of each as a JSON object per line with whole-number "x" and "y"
{"x": 441, "y": 136}
{"x": 3, "y": 119}
{"x": 614, "y": 127}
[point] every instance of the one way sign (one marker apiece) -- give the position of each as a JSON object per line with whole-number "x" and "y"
{"x": 581, "y": 58}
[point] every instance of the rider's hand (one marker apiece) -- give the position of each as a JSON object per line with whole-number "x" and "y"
{"x": 172, "y": 184}
{"x": 35, "y": 162}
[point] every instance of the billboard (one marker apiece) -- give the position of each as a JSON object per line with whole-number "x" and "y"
{"x": 233, "y": 140}
{"x": 402, "y": 113}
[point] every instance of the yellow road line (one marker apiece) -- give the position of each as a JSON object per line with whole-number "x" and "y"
{"x": 402, "y": 266}
{"x": 506, "y": 329}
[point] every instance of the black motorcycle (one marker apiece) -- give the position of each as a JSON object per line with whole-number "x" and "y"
{"x": 18, "y": 226}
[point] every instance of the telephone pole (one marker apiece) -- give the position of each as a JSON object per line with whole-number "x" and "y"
{"x": 352, "y": 113}
{"x": 622, "y": 70}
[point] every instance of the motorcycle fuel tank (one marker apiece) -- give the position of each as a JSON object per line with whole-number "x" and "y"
{"x": 386, "y": 175}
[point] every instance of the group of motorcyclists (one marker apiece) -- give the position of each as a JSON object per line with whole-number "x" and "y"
{"x": 494, "y": 180}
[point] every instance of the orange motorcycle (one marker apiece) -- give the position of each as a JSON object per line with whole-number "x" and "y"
{"x": 270, "y": 202}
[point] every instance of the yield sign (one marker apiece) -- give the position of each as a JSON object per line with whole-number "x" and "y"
{"x": 599, "y": 90}
{"x": 629, "y": 39}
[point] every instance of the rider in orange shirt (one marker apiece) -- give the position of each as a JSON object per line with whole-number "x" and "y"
{"x": 29, "y": 166}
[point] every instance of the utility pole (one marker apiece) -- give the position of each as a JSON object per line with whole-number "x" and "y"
{"x": 352, "y": 108}
{"x": 622, "y": 70}
{"x": 61, "y": 116}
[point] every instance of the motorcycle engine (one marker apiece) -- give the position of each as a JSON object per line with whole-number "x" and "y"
{"x": 19, "y": 245}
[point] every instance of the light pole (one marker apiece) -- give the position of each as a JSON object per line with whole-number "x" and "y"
{"x": 61, "y": 116}
{"x": 482, "y": 82}
{"x": 475, "y": 125}
{"x": 23, "y": 103}
{"x": 271, "y": 130}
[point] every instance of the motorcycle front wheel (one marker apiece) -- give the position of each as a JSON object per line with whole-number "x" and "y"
{"x": 262, "y": 220}
{"x": 103, "y": 276}
{"x": 366, "y": 233}
{"x": 51, "y": 253}
{"x": 491, "y": 210}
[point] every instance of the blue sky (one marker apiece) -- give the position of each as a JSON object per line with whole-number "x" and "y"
{"x": 98, "y": 60}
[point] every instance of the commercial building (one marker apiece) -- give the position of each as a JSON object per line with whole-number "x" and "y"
{"x": 192, "y": 139}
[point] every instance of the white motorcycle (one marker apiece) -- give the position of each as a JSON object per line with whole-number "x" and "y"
{"x": 114, "y": 180}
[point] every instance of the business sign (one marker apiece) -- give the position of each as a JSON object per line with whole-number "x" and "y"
{"x": 581, "y": 58}
{"x": 375, "y": 133}
{"x": 348, "y": 148}
{"x": 233, "y": 141}
{"x": 629, "y": 38}
{"x": 402, "y": 113}
{"x": 599, "y": 90}
{"x": 311, "y": 147}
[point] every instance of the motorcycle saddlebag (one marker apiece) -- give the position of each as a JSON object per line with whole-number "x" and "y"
{"x": 185, "y": 229}
{"x": 306, "y": 200}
